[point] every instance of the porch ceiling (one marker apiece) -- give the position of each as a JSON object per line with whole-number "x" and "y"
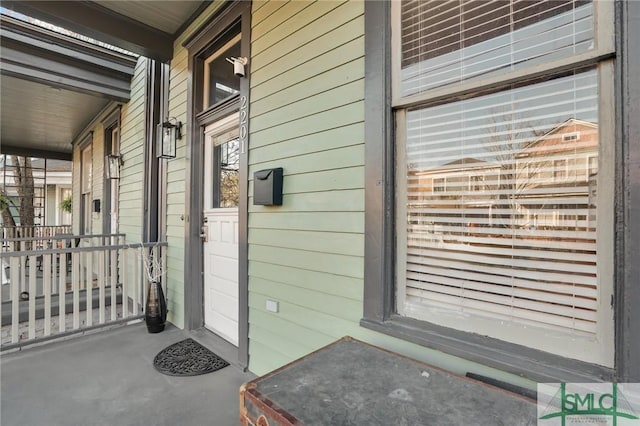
{"x": 43, "y": 110}
{"x": 38, "y": 117}
{"x": 53, "y": 85}
{"x": 166, "y": 15}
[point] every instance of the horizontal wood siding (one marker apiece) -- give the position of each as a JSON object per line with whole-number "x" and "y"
{"x": 307, "y": 116}
{"x": 132, "y": 142}
{"x": 176, "y": 172}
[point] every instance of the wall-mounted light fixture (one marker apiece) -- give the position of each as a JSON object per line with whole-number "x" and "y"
{"x": 238, "y": 65}
{"x": 169, "y": 133}
{"x": 112, "y": 165}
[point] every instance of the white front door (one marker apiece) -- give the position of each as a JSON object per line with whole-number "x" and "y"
{"x": 221, "y": 169}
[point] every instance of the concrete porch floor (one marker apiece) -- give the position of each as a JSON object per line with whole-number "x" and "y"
{"x": 108, "y": 378}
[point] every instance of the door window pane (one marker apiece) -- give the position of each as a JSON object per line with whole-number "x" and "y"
{"x": 226, "y": 160}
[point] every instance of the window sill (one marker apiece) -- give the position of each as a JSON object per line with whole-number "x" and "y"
{"x": 522, "y": 361}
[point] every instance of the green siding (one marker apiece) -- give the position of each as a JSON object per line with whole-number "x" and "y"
{"x": 309, "y": 107}
{"x": 324, "y": 242}
{"x": 310, "y": 42}
{"x": 132, "y": 141}
{"x": 310, "y": 144}
{"x": 327, "y": 221}
{"x": 341, "y": 75}
{"x": 295, "y": 14}
{"x": 307, "y": 116}
{"x": 339, "y": 116}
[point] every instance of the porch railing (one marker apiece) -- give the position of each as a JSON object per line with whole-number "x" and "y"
{"x": 34, "y": 231}
{"x": 71, "y": 284}
{"x": 58, "y": 241}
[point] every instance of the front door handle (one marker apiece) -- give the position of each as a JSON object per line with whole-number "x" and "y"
{"x": 204, "y": 233}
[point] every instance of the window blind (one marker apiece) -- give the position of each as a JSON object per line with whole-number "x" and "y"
{"x": 501, "y": 205}
{"x": 445, "y": 42}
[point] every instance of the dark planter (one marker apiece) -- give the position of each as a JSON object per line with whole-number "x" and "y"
{"x": 156, "y": 308}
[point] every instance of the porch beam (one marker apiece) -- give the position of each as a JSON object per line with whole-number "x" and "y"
{"x": 39, "y": 153}
{"x": 98, "y": 22}
{"x": 59, "y": 61}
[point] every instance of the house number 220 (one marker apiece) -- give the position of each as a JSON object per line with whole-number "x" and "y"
{"x": 243, "y": 122}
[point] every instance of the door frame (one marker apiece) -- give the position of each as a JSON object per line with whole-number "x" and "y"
{"x": 197, "y": 119}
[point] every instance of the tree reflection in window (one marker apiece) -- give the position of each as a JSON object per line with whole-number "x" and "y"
{"x": 227, "y": 159}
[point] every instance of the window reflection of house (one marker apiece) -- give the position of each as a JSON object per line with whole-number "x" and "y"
{"x": 550, "y": 187}
{"x": 518, "y": 216}
{"x": 563, "y": 157}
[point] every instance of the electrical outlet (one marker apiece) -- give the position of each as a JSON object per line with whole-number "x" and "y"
{"x": 272, "y": 306}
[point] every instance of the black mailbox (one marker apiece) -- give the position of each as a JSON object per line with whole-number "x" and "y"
{"x": 96, "y": 206}
{"x": 267, "y": 187}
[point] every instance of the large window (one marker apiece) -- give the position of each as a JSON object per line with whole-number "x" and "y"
{"x": 504, "y": 171}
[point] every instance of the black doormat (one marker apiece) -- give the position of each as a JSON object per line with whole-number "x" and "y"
{"x": 187, "y": 358}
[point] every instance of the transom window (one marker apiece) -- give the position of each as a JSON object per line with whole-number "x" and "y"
{"x": 504, "y": 178}
{"x": 220, "y": 82}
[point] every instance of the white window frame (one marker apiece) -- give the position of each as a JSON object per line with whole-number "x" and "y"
{"x": 113, "y": 132}
{"x": 601, "y": 349}
{"x": 61, "y": 191}
{"x": 86, "y": 216}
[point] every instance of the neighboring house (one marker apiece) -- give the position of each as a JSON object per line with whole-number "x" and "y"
{"x": 51, "y": 185}
{"x": 452, "y": 190}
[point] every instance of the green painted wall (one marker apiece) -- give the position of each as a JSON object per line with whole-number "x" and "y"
{"x": 307, "y": 116}
{"x": 132, "y": 141}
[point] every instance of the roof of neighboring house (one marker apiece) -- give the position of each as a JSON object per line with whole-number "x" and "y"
{"x": 548, "y": 139}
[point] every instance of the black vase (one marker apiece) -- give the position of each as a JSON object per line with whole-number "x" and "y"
{"x": 156, "y": 309}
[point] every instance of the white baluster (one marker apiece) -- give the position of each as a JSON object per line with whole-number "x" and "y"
{"x": 33, "y": 292}
{"x": 46, "y": 273}
{"x": 62, "y": 284}
{"x": 125, "y": 285}
{"x": 136, "y": 277}
{"x": 75, "y": 284}
{"x": 16, "y": 271}
{"x": 101, "y": 277}
{"x": 114, "y": 281}
{"x": 89, "y": 290}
